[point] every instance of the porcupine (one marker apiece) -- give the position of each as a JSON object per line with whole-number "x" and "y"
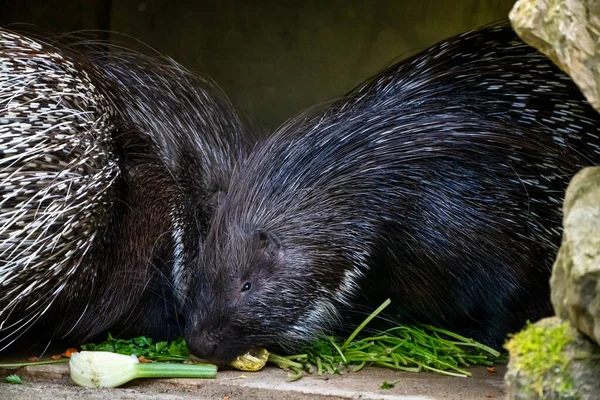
{"x": 111, "y": 163}
{"x": 437, "y": 183}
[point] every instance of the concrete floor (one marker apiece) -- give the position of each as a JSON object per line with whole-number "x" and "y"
{"x": 52, "y": 382}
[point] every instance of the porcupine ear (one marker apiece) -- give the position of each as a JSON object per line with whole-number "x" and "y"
{"x": 269, "y": 245}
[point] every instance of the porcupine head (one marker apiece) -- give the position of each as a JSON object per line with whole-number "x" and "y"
{"x": 259, "y": 284}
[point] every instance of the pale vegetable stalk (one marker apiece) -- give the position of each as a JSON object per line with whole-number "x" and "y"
{"x": 103, "y": 369}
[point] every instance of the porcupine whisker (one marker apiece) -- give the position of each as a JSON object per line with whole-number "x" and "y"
{"x": 114, "y": 35}
{"x": 77, "y": 322}
{"x": 145, "y": 283}
{"x": 46, "y": 347}
{"x": 22, "y": 328}
{"x": 149, "y": 260}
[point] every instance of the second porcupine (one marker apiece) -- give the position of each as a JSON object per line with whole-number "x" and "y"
{"x": 111, "y": 163}
{"x": 437, "y": 183}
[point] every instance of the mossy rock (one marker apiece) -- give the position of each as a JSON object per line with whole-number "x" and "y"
{"x": 552, "y": 360}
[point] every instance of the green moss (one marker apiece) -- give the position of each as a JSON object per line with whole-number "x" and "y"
{"x": 538, "y": 352}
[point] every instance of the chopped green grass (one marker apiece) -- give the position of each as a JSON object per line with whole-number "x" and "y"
{"x": 142, "y": 346}
{"x": 389, "y": 385}
{"x": 404, "y": 348}
{"x": 14, "y": 379}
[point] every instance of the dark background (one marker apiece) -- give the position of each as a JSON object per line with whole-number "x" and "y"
{"x": 272, "y": 58}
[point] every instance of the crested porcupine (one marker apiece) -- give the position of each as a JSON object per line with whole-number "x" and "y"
{"x": 438, "y": 183}
{"x": 110, "y": 164}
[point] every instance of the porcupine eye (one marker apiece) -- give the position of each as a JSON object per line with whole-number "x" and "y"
{"x": 247, "y": 286}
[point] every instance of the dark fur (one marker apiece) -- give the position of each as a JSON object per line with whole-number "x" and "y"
{"x": 177, "y": 140}
{"x": 440, "y": 181}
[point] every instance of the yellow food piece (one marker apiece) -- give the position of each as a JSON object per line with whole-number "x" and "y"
{"x": 254, "y": 360}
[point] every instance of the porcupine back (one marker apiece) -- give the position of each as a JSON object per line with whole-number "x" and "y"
{"x": 58, "y": 171}
{"x": 437, "y": 183}
{"x": 109, "y": 162}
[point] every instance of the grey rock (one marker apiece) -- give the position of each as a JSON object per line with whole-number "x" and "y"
{"x": 575, "y": 278}
{"x": 567, "y": 31}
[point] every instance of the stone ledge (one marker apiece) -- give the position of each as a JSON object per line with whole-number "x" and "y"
{"x": 48, "y": 382}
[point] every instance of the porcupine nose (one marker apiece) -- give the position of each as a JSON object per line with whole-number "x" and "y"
{"x": 203, "y": 346}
